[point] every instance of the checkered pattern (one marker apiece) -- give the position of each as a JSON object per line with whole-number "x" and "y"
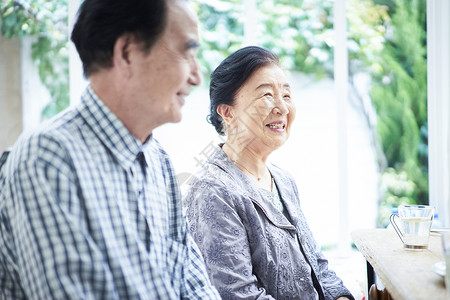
{"x": 3, "y": 158}
{"x": 88, "y": 212}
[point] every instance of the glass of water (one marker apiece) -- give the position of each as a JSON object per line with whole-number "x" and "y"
{"x": 415, "y": 223}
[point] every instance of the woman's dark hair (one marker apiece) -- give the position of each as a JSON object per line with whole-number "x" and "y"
{"x": 101, "y": 22}
{"x": 230, "y": 75}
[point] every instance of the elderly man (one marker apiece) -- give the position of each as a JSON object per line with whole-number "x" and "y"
{"x": 89, "y": 203}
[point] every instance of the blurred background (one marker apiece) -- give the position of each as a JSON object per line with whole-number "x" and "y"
{"x": 359, "y": 69}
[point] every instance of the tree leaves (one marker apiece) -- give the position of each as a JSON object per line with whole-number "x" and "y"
{"x": 47, "y": 21}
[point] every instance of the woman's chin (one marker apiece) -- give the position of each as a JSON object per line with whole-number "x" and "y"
{"x": 273, "y": 145}
{"x": 278, "y": 140}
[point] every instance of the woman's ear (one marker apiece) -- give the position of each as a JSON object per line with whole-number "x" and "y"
{"x": 226, "y": 112}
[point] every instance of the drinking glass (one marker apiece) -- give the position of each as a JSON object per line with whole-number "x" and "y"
{"x": 415, "y": 224}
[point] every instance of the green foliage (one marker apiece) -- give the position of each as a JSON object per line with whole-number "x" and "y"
{"x": 396, "y": 189}
{"x": 367, "y": 27}
{"x": 221, "y": 30}
{"x": 46, "y": 21}
{"x": 399, "y": 95}
{"x": 300, "y": 32}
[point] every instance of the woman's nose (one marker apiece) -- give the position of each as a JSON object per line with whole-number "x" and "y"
{"x": 280, "y": 107}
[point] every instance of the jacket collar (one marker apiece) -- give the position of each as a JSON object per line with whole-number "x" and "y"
{"x": 248, "y": 189}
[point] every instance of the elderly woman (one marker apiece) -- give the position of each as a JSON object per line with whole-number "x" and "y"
{"x": 244, "y": 213}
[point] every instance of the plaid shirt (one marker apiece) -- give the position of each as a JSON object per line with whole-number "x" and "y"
{"x": 83, "y": 216}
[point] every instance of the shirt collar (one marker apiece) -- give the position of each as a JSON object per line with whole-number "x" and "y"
{"x": 109, "y": 129}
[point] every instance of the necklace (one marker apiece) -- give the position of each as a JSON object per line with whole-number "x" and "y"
{"x": 257, "y": 177}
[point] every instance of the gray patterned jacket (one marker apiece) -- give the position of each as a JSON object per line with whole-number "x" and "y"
{"x": 250, "y": 248}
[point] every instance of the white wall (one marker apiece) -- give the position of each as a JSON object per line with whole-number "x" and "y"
{"x": 35, "y": 95}
{"x": 438, "y": 16}
{"x": 10, "y": 92}
{"x": 22, "y": 95}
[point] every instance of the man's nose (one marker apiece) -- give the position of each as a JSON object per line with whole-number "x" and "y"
{"x": 195, "y": 77}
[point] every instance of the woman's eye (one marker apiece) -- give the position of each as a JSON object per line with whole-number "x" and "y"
{"x": 267, "y": 96}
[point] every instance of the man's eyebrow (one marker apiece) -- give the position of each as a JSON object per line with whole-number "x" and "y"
{"x": 192, "y": 44}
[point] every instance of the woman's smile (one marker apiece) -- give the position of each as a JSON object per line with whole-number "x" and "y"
{"x": 277, "y": 126}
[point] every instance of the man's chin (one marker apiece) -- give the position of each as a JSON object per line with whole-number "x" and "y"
{"x": 176, "y": 118}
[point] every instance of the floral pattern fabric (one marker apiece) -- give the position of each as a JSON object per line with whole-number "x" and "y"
{"x": 251, "y": 249}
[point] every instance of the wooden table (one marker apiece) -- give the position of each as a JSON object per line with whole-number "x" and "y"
{"x": 407, "y": 275}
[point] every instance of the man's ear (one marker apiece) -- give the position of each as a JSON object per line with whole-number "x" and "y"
{"x": 121, "y": 56}
{"x": 226, "y": 112}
